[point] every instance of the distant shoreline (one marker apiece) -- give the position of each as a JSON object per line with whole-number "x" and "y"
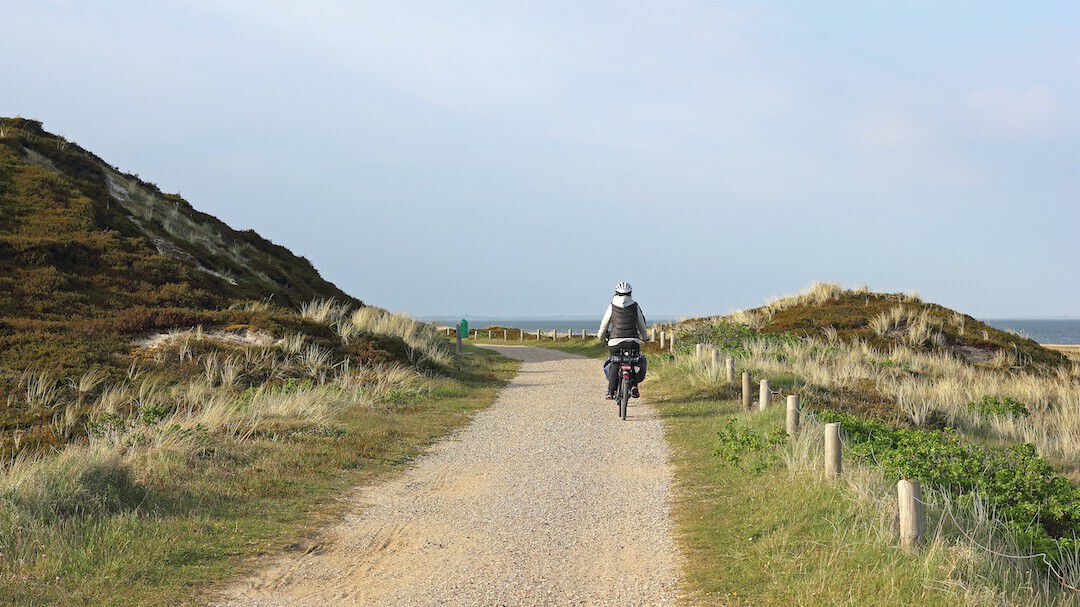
{"x": 1053, "y": 333}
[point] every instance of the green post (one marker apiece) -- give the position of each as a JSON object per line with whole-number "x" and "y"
{"x": 463, "y": 329}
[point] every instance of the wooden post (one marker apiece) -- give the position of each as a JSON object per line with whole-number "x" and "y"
{"x": 729, "y": 369}
{"x": 746, "y": 390}
{"x": 663, "y": 337}
{"x": 521, "y": 335}
{"x": 912, "y": 513}
{"x": 793, "y": 415}
{"x": 554, "y": 334}
{"x": 832, "y": 450}
{"x": 489, "y": 333}
{"x": 538, "y": 335}
{"x": 715, "y": 357}
{"x": 671, "y": 341}
{"x": 697, "y": 350}
{"x": 506, "y": 335}
{"x": 764, "y": 395}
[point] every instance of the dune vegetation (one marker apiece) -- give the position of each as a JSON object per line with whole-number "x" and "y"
{"x": 209, "y": 427}
{"x": 180, "y": 396}
{"x": 92, "y": 259}
{"x": 989, "y": 423}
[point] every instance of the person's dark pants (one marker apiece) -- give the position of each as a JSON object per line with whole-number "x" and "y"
{"x": 614, "y": 373}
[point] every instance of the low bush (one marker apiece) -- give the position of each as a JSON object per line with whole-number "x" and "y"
{"x": 727, "y": 336}
{"x": 1041, "y": 507}
{"x": 746, "y": 448}
{"x": 999, "y": 406}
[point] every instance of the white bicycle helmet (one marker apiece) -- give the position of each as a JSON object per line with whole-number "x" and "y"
{"x": 623, "y": 288}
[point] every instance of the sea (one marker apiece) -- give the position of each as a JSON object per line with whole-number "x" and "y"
{"x": 1044, "y": 331}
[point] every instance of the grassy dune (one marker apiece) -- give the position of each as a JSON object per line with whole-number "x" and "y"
{"x": 218, "y": 448}
{"x": 993, "y": 440}
{"x": 760, "y": 525}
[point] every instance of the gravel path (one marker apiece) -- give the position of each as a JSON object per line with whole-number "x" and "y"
{"x": 546, "y": 498}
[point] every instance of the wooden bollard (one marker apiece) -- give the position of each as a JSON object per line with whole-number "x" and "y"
{"x": 521, "y": 335}
{"x": 764, "y": 395}
{"x": 746, "y": 390}
{"x": 506, "y": 335}
{"x": 554, "y": 335}
{"x": 832, "y": 450}
{"x": 662, "y": 339}
{"x": 697, "y": 350}
{"x": 671, "y": 341}
{"x": 489, "y": 333}
{"x": 715, "y": 354}
{"x": 729, "y": 369}
{"x": 912, "y": 513}
{"x": 538, "y": 335}
{"x": 793, "y": 415}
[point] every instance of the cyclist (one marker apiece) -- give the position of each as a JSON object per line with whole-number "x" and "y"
{"x": 624, "y": 329}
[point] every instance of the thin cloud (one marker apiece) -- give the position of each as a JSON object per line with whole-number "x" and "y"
{"x": 889, "y": 130}
{"x": 1031, "y": 111}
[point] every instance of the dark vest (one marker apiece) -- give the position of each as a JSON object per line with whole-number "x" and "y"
{"x": 624, "y": 322}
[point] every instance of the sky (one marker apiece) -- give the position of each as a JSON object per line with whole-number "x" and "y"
{"x": 518, "y": 159}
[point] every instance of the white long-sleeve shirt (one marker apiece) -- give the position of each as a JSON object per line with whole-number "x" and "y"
{"x": 623, "y": 301}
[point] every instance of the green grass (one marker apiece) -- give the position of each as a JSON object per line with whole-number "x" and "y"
{"x": 768, "y": 538}
{"x": 583, "y": 347}
{"x": 206, "y": 521}
{"x": 590, "y": 347}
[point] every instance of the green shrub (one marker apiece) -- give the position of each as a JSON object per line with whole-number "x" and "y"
{"x": 1042, "y": 508}
{"x": 744, "y": 447}
{"x": 999, "y": 406}
{"x": 726, "y": 336}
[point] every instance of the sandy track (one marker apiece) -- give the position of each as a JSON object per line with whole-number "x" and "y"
{"x": 546, "y": 498}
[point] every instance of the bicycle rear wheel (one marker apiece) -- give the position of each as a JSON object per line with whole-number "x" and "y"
{"x": 624, "y": 397}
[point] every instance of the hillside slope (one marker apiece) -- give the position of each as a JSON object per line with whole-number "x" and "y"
{"x": 78, "y": 236}
{"x": 883, "y": 320}
{"x": 92, "y": 258}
